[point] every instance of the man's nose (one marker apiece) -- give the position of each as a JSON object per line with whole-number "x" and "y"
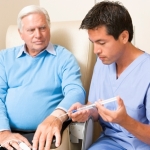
{"x": 37, "y": 33}
{"x": 97, "y": 50}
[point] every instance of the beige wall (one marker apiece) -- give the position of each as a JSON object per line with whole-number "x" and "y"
{"x": 64, "y": 10}
{"x": 9, "y": 10}
{"x": 59, "y": 10}
{"x": 67, "y": 10}
{"x": 140, "y": 13}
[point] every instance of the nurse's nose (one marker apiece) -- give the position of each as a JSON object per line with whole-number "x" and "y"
{"x": 97, "y": 50}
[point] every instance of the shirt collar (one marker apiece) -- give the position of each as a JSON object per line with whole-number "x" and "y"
{"x": 49, "y": 49}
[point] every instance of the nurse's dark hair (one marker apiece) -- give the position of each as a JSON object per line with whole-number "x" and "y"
{"x": 114, "y": 16}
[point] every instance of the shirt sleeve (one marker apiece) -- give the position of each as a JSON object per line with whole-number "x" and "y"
{"x": 71, "y": 83}
{"x": 148, "y": 105}
{"x": 4, "y": 122}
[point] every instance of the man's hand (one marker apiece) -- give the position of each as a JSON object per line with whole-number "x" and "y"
{"x": 118, "y": 116}
{"x": 79, "y": 116}
{"x": 11, "y": 140}
{"x": 82, "y": 115}
{"x": 43, "y": 136}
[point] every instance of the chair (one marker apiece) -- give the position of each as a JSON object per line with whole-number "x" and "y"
{"x": 68, "y": 35}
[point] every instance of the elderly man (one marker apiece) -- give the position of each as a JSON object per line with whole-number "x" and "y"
{"x": 39, "y": 82}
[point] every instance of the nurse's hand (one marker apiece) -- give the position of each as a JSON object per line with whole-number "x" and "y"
{"x": 117, "y": 116}
{"x": 78, "y": 116}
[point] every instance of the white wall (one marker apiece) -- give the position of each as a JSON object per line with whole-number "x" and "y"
{"x": 63, "y": 10}
{"x": 66, "y": 10}
{"x": 140, "y": 13}
{"x": 9, "y": 10}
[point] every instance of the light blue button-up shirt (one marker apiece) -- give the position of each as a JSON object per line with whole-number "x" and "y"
{"x": 32, "y": 87}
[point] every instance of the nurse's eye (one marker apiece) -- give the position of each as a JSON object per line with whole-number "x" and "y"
{"x": 101, "y": 43}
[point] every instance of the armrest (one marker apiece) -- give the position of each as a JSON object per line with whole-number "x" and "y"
{"x": 82, "y": 132}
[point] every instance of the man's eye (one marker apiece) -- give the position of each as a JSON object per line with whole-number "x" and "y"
{"x": 101, "y": 43}
{"x": 30, "y": 30}
{"x": 42, "y": 28}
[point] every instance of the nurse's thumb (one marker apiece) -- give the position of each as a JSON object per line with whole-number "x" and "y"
{"x": 120, "y": 101}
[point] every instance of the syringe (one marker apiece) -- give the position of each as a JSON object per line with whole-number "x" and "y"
{"x": 86, "y": 107}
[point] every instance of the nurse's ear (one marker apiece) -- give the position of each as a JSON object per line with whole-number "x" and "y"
{"x": 124, "y": 36}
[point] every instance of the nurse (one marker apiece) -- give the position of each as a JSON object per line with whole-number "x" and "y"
{"x": 121, "y": 70}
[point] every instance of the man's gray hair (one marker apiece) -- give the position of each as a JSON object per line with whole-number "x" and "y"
{"x": 30, "y": 10}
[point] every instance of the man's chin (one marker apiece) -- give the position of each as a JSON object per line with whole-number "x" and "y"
{"x": 39, "y": 48}
{"x": 106, "y": 62}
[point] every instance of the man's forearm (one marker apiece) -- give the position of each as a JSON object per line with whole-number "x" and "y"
{"x": 94, "y": 113}
{"x": 139, "y": 130}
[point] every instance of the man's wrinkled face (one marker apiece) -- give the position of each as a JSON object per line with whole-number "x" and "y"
{"x": 35, "y": 32}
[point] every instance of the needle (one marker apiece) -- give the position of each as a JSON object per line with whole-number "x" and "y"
{"x": 92, "y": 105}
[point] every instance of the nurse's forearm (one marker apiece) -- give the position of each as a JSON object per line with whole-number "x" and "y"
{"x": 139, "y": 130}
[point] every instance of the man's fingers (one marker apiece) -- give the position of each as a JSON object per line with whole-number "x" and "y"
{"x": 42, "y": 142}
{"x": 80, "y": 116}
{"x": 12, "y": 141}
{"x": 75, "y": 107}
{"x": 14, "y": 144}
{"x": 58, "y": 139}
{"x": 8, "y": 146}
{"x": 35, "y": 140}
{"x": 120, "y": 102}
{"x": 48, "y": 142}
{"x": 23, "y": 139}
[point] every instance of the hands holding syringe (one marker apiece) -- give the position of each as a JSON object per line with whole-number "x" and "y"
{"x": 98, "y": 108}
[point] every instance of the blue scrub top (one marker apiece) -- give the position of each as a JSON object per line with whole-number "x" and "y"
{"x": 133, "y": 86}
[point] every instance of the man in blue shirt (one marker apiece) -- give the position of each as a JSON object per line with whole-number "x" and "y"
{"x": 121, "y": 70}
{"x": 39, "y": 82}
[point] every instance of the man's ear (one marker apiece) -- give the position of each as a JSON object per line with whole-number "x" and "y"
{"x": 20, "y": 34}
{"x": 124, "y": 36}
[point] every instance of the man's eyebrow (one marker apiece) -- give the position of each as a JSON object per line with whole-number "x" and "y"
{"x": 44, "y": 25}
{"x": 99, "y": 40}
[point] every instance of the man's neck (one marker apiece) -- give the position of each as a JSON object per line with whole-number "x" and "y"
{"x": 130, "y": 54}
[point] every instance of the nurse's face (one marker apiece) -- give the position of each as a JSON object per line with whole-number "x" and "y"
{"x": 106, "y": 47}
